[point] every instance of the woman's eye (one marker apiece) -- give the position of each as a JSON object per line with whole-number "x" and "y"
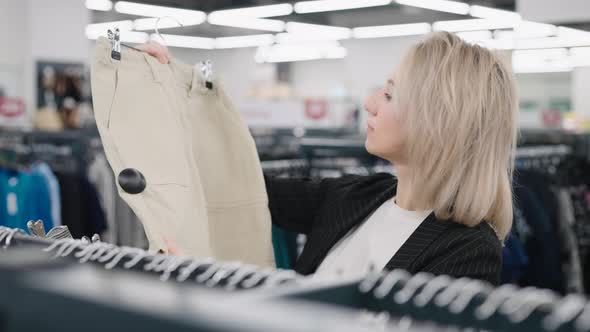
{"x": 387, "y": 96}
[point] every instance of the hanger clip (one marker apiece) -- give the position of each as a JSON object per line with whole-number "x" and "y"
{"x": 115, "y": 38}
{"x": 207, "y": 71}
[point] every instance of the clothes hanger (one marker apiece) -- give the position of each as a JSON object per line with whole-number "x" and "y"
{"x": 206, "y": 67}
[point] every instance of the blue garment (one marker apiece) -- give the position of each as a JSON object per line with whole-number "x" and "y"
{"x": 54, "y": 193}
{"x": 285, "y": 248}
{"x": 514, "y": 260}
{"x": 24, "y": 196}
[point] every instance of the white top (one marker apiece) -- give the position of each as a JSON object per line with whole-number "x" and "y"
{"x": 373, "y": 243}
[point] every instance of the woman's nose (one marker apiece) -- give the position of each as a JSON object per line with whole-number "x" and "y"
{"x": 370, "y": 105}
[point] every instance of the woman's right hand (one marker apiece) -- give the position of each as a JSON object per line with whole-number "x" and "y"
{"x": 172, "y": 249}
{"x": 157, "y": 50}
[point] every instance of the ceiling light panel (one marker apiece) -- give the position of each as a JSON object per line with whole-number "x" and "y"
{"x": 303, "y": 7}
{"x": 446, "y": 6}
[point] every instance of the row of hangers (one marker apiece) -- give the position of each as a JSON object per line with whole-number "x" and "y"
{"x": 473, "y": 303}
{"x": 207, "y": 271}
{"x": 424, "y": 297}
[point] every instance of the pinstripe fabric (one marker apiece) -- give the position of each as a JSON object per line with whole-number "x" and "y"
{"x": 325, "y": 210}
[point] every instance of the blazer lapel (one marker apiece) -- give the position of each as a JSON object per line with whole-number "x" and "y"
{"x": 428, "y": 231}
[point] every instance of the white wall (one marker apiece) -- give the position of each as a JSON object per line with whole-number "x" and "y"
{"x": 13, "y": 31}
{"x": 57, "y": 30}
{"x": 368, "y": 64}
{"x": 14, "y": 37}
{"x": 580, "y": 88}
{"x": 235, "y": 68}
{"x": 543, "y": 87}
{"x": 33, "y": 30}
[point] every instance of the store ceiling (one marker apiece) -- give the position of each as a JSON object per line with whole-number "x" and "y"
{"x": 391, "y": 14}
{"x": 209, "y": 5}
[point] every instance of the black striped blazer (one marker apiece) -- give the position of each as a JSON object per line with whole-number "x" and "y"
{"x": 325, "y": 210}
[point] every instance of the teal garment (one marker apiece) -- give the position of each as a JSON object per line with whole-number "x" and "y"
{"x": 285, "y": 248}
{"x": 24, "y": 196}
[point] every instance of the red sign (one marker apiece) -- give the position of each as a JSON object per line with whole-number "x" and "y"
{"x": 552, "y": 118}
{"x": 316, "y": 109}
{"x": 11, "y": 107}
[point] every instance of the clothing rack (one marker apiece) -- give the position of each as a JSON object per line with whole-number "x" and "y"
{"x": 578, "y": 142}
{"x": 286, "y": 167}
{"x": 41, "y": 295}
{"x": 463, "y": 302}
{"x": 77, "y": 145}
{"x": 299, "y": 304}
{"x": 207, "y": 272}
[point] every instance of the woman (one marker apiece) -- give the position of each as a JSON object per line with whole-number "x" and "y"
{"x": 446, "y": 119}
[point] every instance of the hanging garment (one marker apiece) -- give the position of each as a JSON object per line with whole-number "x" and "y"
{"x": 571, "y": 261}
{"x": 224, "y": 154}
{"x": 542, "y": 244}
{"x": 514, "y": 260}
{"x": 149, "y": 116}
{"x": 53, "y": 186}
{"x": 81, "y": 208}
{"x": 101, "y": 176}
{"x": 285, "y": 248}
{"x": 137, "y": 115}
{"x": 24, "y": 196}
{"x": 124, "y": 228}
{"x": 130, "y": 231}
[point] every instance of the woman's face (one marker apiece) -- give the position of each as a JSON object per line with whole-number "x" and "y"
{"x": 385, "y": 136}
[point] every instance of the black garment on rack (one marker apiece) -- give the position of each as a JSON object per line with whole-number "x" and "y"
{"x": 542, "y": 244}
{"x": 81, "y": 209}
{"x": 325, "y": 210}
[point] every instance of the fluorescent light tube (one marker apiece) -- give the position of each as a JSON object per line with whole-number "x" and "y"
{"x": 184, "y": 16}
{"x": 327, "y": 31}
{"x": 256, "y": 12}
{"x": 550, "y": 42}
{"x": 93, "y": 31}
{"x": 289, "y": 38}
{"x": 249, "y": 23}
{"x": 335, "y": 53}
{"x": 295, "y": 27}
{"x": 494, "y": 14}
{"x": 391, "y": 30}
{"x": 572, "y": 33}
{"x": 185, "y": 41}
{"x": 133, "y": 37}
{"x": 99, "y": 5}
{"x": 149, "y": 23}
{"x": 447, "y": 6}
{"x": 244, "y": 41}
{"x": 472, "y": 25}
{"x": 300, "y": 52}
{"x": 541, "y": 54}
{"x": 580, "y": 51}
{"x": 528, "y": 29}
{"x": 475, "y": 36}
{"x": 303, "y": 7}
{"x": 541, "y": 69}
{"x": 497, "y": 44}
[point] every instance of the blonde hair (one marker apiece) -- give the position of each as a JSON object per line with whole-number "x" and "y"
{"x": 459, "y": 107}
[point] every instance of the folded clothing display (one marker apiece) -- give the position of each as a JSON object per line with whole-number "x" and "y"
{"x": 184, "y": 159}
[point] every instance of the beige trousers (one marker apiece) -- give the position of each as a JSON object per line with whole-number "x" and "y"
{"x": 205, "y": 190}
